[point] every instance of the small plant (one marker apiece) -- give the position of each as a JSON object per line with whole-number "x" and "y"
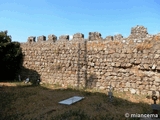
{"x": 142, "y": 46}
{"x": 157, "y": 38}
{"x": 69, "y": 86}
{"x": 57, "y": 85}
{"x": 115, "y": 42}
{"x": 95, "y": 45}
{"x": 56, "y": 52}
{"x": 131, "y": 42}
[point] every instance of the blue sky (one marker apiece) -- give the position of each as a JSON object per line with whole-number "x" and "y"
{"x": 23, "y": 18}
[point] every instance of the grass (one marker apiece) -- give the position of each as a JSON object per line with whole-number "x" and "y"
{"x": 143, "y": 46}
{"x": 95, "y": 45}
{"x": 21, "y": 101}
{"x": 156, "y": 38}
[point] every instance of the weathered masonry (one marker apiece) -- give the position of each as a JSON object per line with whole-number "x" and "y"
{"x": 128, "y": 64}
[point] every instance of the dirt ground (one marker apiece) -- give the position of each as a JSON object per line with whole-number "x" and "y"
{"x": 25, "y": 101}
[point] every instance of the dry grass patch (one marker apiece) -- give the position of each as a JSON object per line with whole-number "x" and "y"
{"x": 116, "y": 43}
{"x": 156, "y": 38}
{"x": 23, "y": 101}
{"x": 95, "y": 45}
{"x": 143, "y": 46}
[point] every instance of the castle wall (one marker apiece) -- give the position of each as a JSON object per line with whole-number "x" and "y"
{"x": 97, "y": 63}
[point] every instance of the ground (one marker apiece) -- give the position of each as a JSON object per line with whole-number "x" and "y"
{"x": 26, "y": 101}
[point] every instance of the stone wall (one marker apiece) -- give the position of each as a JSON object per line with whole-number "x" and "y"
{"x": 97, "y": 63}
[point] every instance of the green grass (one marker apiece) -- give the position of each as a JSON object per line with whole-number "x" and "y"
{"x": 21, "y": 101}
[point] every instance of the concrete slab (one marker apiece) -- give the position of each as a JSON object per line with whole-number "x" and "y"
{"x": 71, "y": 100}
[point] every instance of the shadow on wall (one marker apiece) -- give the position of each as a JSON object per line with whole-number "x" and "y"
{"x": 91, "y": 81}
{"x": 33, "y": 75}
{"x": 25, "y": 73}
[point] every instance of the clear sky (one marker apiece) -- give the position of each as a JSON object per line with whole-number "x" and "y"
{"x": 24, "y": 18}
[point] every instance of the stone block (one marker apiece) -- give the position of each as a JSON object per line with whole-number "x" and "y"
{"x": 125, "y": 89}
{"x": 31, "y": 39}
{"x": 146, "y": 66}
{"x": 137, "y": 92}
{"x": 154, "y": 67}
{"x": 138, "y": 32}
{"x": 157, "y": 79}
{"x": 133, "y": 85}
{"x": 102, "y": 88}
{"x": 129, "y": 56}
{"x": 94, "y": 36}
{"x": 109, "y": 38}
{"x": 78, "y": 36}
{"x": 133, "y": 91}
{"x": 118, "y": 37}
{"x": 118, "y": 64}
{"x": 158, "y": 67}
{"x": 128, "y": 65}
{"x": 52, "y": 38}
{"x": 153, "y": 87}
{"x": 127, "y": 84}
{"x": 112, "y": 64}
{"x": 64, "y": 37}
{"x": 156, "y": 56}
{"x": 41, "y": 38}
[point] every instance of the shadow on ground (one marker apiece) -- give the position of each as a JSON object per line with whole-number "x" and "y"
{"x": 23, "y": 101}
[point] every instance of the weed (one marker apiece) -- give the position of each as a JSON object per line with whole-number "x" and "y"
{"x": 69, "y": 86}
{"x": 56, "y": 51}
{"x": 157, "y": 38}
{"x": 142, "y": 46}
{"x": 116, "y": 43}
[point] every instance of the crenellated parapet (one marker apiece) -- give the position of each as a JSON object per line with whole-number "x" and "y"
{"x": 118, "y": 37}
{"x": 64, "y": 38}
{"x": 52, "y": 38}
{"x": 41, "y": 38}
{"x": 94, "y": 36}
{"x": 78, "y": 36}
{"x": 31, "y": 39}
{"x": 138, "y": 34}
{"x": 109, "y": 38}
